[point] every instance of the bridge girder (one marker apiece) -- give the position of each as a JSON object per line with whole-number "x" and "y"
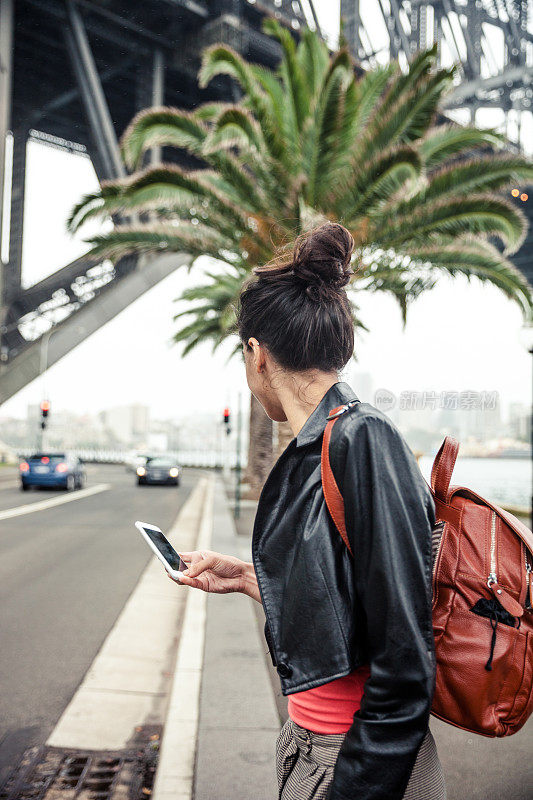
{"x": 463, "y": 27}
{"x": 72, "y": 74}
{"x": 64, "y": 336}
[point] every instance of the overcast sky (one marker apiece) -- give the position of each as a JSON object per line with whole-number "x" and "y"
{"x": 459, "y": 336}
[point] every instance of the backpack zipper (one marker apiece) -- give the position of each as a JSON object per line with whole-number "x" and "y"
{"x": 436, "y": 543}
{"x": 529, "y": 592}
{"x": 493, "y": 578}
{"x": 506, "y": 600}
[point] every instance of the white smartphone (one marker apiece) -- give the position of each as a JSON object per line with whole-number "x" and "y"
{"x": 159, "y": 543}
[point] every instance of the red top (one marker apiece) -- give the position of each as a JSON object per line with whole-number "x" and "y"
{"x": 329, "y": 708}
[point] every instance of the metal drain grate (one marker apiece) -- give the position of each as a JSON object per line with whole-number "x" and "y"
{"x": 49, "y": 773}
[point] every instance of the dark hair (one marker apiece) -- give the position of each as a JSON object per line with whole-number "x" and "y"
{"x": 297, "y": 304}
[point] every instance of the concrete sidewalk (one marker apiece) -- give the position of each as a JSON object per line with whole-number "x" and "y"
{"x": 222, "y": 721}
{"x": 239, "y": 722}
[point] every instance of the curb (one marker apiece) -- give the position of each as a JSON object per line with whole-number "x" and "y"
{"x": 175, "y": 770}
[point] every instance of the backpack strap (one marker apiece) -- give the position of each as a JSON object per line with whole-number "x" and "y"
{"x": 441, "y": 472}
{"x": 332, "y": 493}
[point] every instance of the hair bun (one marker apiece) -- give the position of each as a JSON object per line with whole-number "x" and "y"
{"x": 320, "y": 262}
{"x": 321, "y": 259}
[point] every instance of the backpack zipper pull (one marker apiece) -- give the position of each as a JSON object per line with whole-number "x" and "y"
{"x": 504, "y": 598}
{"x": 494, "y": 625}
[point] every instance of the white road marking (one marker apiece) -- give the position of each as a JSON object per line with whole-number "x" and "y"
{"x": 41, "y": 505}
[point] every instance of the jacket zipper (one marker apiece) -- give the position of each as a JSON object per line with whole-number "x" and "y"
{"x": 493, "y": 578}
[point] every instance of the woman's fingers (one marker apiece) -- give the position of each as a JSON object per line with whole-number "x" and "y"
{"x": 193, "y": 555}
{"x": 187, "y": 581}
{"x": 200, "y": 566}
{"x": 190, "y": 582}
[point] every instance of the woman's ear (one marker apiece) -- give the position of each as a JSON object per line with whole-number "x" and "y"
{"x": 258, "y": 354}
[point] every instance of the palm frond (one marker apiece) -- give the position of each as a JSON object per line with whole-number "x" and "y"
{"x": 479, "y": 175}
{"x": 161, "y": 127}
{"x": 314, "y": 61}
{"x": 445, "y": 141}
{"x": 325, "y": 130}
{"x": 195, "y": 240}
{"x": 375, "y": 183}
{"x": 297, "y": 89}
{"x": 223, "y": 60}
{"x": 94, "y": 204}
{"x": 482, "y": 260}
{"x": 235, "y": 117}
{"x": 479, "y": 214}
{"x": 367, "y": 93}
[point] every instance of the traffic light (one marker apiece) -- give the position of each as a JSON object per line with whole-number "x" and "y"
{"x": 45, "y": 408}
{"x": 226, "y": 421}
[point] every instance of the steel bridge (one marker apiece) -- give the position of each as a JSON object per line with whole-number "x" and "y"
{"x": 72, "y": 75}
{"x": 491, "y": 41}
{"x": 74, "y": 72}
{"x": 467, "y": 32}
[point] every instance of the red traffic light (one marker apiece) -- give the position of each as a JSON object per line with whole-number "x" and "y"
{"x": 45, "y": 408}
{"x": 226, "y": 415}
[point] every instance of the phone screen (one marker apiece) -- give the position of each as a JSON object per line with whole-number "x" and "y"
{"x": 165, "y": 548}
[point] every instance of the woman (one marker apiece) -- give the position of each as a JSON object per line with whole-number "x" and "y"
{"x": 351, "y": 637}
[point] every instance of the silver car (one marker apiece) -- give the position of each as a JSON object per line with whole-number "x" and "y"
{"x": 162, "y": 470}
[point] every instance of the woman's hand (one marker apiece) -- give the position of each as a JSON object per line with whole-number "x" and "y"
{"x": 218, "y": 573}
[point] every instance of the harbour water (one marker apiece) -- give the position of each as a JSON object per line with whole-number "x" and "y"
{"x": 503, "y": 480}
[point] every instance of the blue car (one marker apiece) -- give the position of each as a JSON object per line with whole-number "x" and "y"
{"x": 54, "y": 470}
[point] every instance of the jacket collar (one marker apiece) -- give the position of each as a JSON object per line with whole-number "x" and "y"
{"x": 314, "y": 425}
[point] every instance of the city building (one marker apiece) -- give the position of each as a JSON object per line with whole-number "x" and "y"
{"x": 127, "y": 425}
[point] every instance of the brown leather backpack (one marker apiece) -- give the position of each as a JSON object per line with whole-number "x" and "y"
{"x": 482, "y": 600}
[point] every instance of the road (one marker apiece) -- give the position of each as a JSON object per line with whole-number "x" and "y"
{"x": 65, "y": 573}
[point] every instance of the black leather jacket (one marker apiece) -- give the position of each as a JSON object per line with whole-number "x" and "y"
{"x": 327, "y": 613}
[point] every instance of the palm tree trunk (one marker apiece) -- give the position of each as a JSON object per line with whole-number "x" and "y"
{"x": 260, "y": 450}
{"x": 285, "y": 435}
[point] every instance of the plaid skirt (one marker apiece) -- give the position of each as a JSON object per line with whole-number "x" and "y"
{"x": 305, "y": 762}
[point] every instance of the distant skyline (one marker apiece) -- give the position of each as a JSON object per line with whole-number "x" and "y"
{"x": 461, "y": 335}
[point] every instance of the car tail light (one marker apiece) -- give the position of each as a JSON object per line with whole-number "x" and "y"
{"x": 61, "y": 468}
{"x": 24, "y": 467}
{"x": 45, "y": 460}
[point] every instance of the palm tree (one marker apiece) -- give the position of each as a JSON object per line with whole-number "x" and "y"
{"x": 317, "y": 140}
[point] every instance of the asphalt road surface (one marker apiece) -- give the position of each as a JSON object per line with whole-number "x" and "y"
{"x": 66, "y": 572}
